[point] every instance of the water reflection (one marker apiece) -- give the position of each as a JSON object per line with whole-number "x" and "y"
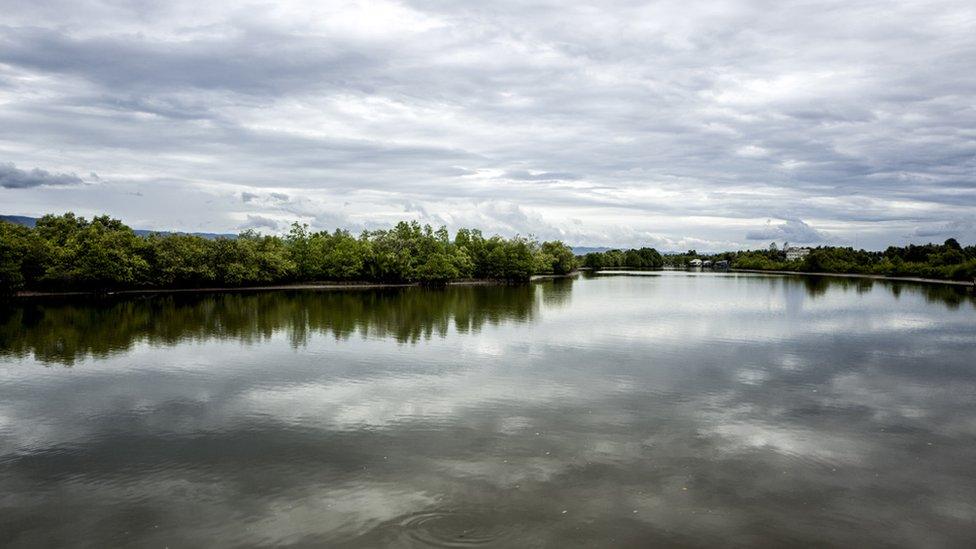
{"x": 67, "y": 331}
{"x": 676, "y": 409}
{"x": 951, "y": 296}
{"x": 64, "y": 331}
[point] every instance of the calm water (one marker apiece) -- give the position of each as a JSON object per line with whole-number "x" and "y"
{"x": 666, "y": 408}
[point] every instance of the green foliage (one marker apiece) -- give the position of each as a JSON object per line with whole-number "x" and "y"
{"x": 252, "y": 259}
{"x": 683, "y": 260}
{"x": 593, "y": 260}
{"x": 643, "y": 258}
{"x": 945, "y": 261}
{"x": 511, "y": 260}
{"x": 24, "y": 257}
{"x": 563, "y": 260}
{"x": 181, "y": 260}
{"x": 343, "y": 256}
{"x": 299, "y": 244}
{"x": 12, "y": 254}
{"x": 651, "y": 258}
{"x": 321, "y": 255}
{"x": 763, "y": 260}
{"x": 67, "y": 252}
{"x": 514, "y": 259}
{"x": 99, "y": 255}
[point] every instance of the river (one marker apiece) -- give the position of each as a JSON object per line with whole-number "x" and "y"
{"x": 624, "y": 410}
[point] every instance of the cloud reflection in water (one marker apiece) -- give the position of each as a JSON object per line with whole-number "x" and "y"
{"x": 675, "y": 409}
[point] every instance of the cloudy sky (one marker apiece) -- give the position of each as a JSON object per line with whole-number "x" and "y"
{"x": 715, "y": 125}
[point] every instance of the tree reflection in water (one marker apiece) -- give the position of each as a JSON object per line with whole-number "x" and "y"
{"x": 66, "y": 331}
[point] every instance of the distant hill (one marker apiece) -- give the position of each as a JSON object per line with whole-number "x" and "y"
{"x": 19, "y": 220}
{"x": 31, "y": 221}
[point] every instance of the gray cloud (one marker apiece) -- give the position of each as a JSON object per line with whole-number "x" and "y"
{"x": 259, "y": 222}
{"x": 13, "y": 178}
{"x": 647, "y": 123}
{"x": 951, "y": 228}
{"x": 793, "y": 230}
{"x": 240, "y": 62}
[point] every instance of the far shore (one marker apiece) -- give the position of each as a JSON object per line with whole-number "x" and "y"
{"x": 332, "y": 285}
{"x": 801, "y": 273}
{"x": 867, "y": 276}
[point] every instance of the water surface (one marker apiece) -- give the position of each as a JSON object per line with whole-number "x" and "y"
{"x": 608, "y": 411}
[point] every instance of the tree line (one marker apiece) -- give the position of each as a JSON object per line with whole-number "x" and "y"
{"x": 949, "y": 261}
{"x": 67, "y": 252}
{"x": 643, "y": 258}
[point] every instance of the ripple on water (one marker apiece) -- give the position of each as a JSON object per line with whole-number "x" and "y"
{"x": 455, "y": 529}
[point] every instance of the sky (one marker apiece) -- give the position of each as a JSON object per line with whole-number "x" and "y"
{"x": 708, "y": 125}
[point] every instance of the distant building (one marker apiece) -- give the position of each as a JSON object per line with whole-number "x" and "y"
{"x": 722, "y": 265}
{"x": 796, "y": 254}
{"x": 706, "y": 263}
{"x": 695, "y": 263}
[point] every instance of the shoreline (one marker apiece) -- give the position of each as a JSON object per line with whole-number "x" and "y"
{"x": 358, "y": 285}
{"x": 916, "y": 279}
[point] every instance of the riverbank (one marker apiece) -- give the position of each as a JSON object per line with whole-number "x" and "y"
{"x": 333, "y": 285}
{"x": 866, "y": 276}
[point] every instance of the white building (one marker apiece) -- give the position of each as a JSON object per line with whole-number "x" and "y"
{"x": 695, "y": 262}
{"x": 796, "y": 254}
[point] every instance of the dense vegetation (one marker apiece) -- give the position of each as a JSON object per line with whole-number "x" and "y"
{"x": 679, "y": 260}
{"x": 644, "y": 258}
{"x": 945, "y": 261}
{"x": 66, "y": 252}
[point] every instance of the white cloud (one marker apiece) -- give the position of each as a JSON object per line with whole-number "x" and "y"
{"x": 668, "y": 120}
